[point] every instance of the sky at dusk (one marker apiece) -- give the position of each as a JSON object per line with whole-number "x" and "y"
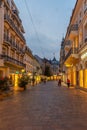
{"x": 45, "y": 23}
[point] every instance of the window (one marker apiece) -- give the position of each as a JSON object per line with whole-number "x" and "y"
{"x": 85, "y": 33}
{"x": 12, "y": 54}
{"x": 4, "y": 51}
{"x": 85, "y": 6}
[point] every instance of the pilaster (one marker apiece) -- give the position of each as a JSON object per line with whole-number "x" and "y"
{"x": 1, "y": 25}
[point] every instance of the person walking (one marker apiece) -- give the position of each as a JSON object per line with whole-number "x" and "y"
{"x": 68, "y": 83}
{"x": 59, "y": 83}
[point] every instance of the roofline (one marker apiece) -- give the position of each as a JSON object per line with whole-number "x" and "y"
{"x": 73, "y": 11}
{"x": 71, "y": 17}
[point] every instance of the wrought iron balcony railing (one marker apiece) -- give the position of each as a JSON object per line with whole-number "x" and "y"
{"x": 12, "y": 60}
{"x": 7, "y": 39}
{"x": 15, "y": 13}
{"x": 6, "y": 17}
{"x": 13, "y": 44}
{"x": 71, "y": 51}
{"x": 73, "y": 27}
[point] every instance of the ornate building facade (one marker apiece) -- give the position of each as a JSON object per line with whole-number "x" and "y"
{"x": 74, "y": 57}
{"x": 15, "y": 56}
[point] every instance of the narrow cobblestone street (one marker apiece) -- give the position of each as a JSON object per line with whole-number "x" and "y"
{"x": 45, "y": 107}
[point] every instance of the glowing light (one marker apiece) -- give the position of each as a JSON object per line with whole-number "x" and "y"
{"x": 84, "y": 56}
{"x": 29, "y": 74}
{"x": 17, "y": 72}
{"x": 16, "y": 81}
{"x": 68, "y": 65}
{"x": 23, "y": 70}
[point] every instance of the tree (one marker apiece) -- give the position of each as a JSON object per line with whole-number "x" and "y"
{"x": 47, "y": 71}
{"x": 23, "y": 81}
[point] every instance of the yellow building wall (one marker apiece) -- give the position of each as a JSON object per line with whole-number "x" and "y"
{"x": 74, "y": 78}
{"x": 85, "y": 78}
{"x": 81, "y": 78}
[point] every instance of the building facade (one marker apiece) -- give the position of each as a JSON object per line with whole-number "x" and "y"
{"x": 74, "y": 56}
{"x": 28, "y": 60}
{"x": 12, "y": 41}
{"x": 55, "y": 66}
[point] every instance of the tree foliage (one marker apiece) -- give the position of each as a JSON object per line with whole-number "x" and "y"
{"x": 47, "y": 71}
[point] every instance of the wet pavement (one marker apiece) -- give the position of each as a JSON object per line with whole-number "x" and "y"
{"x": 45, "y": 107}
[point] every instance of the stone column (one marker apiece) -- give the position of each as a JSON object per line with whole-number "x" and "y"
{"x": 1, "y": 25}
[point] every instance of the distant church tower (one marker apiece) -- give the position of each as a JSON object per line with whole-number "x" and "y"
{"x": 55, "y": 65}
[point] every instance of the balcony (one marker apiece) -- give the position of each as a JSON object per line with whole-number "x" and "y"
{"x": 8, "y": 19}
{"x": 67, "y": 45}
{"x": 16, "y": 15}
{"x": 13, "y": 61}
{"x": 13, "y": 44}
{"x": 83, "y": 45}
{"x": 7, "y": 39}
{"x": 72, "y": 57}
{"x": 73, "y": 31}
{"x": 7, "y": 3}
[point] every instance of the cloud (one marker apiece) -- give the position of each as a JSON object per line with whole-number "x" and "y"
{"x": 44, "y": 46}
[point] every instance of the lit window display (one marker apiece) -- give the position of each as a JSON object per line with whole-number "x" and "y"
{"x": 16, "y": 81}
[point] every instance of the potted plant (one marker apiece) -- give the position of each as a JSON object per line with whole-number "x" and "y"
{"x": 23, "y": 81}
{"x": 4, "y": 84}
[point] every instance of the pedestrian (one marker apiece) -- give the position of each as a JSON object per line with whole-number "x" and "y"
{"x": 59, "y": 83}
{"x": 44, "y": 80}
{"x": 33, "y": 81}
{"x": 68, "y": 83}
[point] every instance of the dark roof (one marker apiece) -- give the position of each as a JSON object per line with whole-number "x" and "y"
{"x": 54, "y": 61}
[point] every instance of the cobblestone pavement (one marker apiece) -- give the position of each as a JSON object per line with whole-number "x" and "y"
{"x": 45, "y": 107}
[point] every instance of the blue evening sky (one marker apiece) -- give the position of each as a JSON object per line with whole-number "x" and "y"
{"x": 50, "y": 18}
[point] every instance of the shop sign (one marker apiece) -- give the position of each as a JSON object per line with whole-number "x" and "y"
{"x": 17, "y": 72}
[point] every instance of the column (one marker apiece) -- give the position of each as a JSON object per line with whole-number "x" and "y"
{"x": 81, "y": 78}
{"x": 1, "y": 25}
{"x": 85, "y": 78}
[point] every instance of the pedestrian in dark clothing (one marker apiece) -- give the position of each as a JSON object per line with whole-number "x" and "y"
{"x": 59, "y": 82}
{"x": 68, "y": 83}
{"x": 33, "y": 81}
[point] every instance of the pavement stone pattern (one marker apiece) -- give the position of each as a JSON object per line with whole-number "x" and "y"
{"x": 45, "y": 107}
